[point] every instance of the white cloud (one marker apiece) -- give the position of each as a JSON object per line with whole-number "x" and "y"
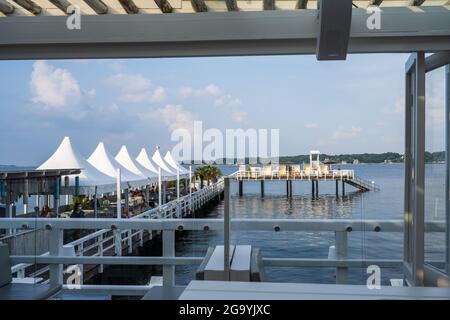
{"x": 211, "y": 91}
{"x": 311, "y": 125}
{"x": 239, "y": 116}
{"x": 173, "y": 116}
{"x": 53, "y": 88}
{"x": 342, "y": 133}
{"x": 227, "y": 101}
{"x": 136, "y": 88}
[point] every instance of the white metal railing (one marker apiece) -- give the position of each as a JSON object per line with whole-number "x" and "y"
{"x": 169, "y": 260}
{"x": 98, "y": 243}
{"x": 257, "y": 173}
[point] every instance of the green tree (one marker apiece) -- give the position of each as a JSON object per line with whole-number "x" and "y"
{"x": 207, "y": 173}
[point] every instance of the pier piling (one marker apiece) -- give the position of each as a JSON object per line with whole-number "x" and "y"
{"x": 313, "y": 192}
{"x": 337, "y": 189}
{"x": 241, "y": 188}
{"x": 317, "y": 189}
{"x": 343, "y": 188}
{"x": 262, "y": 188}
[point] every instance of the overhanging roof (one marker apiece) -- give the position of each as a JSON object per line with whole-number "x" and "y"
{"x": 404, "y": 29}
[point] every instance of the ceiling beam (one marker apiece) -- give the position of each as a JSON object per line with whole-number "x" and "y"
{"x": 415, "y": 3}
{"x": 61, "y": 4}
{"x": 232, "y": 5}
{"x": 375, "y": 2}
{"x": 301, "y": 4}
{"x": 29, "y": 5}
{"x": 164, "y": 5}
{"x": 129, "y": 6}
{"x": 216, "y": 34}
{"x": 98, "y": 6}
{"x": 6, "y": 7}
{"x": 269, "y": 4}
{"x": 199, "y": 5}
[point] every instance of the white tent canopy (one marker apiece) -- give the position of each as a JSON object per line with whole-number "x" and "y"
{"x": 103, "y": 161}
{"x": 174, "y": 164}
{"x": 161, "y": 163}
{"x": 66, "y": 157}
{"x": 123, "y": 157}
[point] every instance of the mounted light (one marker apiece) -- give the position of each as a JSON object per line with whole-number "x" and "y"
{"x": 335, "y": 17}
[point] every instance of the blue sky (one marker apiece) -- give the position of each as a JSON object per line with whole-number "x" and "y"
{"x": 353, "y": 106}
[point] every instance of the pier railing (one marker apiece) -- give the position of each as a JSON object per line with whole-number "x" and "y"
{"x": 101, "y": 242}
{"x": 55, "y": 259}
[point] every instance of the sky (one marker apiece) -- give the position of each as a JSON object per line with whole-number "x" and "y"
{"x": 351, "y": 106}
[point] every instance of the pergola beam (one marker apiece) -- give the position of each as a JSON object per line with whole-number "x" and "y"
{"x": 129, "y": 6}
{"x": 301, "y": 4}
{"x": 29, "y": 5}
{"x": 231, "y": 5}
{"x": 269, "y": 4}
{"x": 199, "y": 5}
{"x": 6, "y": 8}
{"x": 61, "y": 4}
{"x": 164, "y": 5}
{"x": 98, "y": 6}
{"x": 416, "y": 3}
{"x": 216, "y": 34}
{"x": 375, "y": 2}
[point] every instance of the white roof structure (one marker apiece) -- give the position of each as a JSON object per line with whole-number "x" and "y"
{"x": 123, "y": 157}
{"x": 157, "y": 158}
{"x": 66, "y": 157}
{"x": 103, "y": 161}
{"x": 174, "y": 164}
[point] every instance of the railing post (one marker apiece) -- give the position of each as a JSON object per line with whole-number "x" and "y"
{"x": 168, "y": 251}
{"x": 341, "y": 254}
{"x": 117, "y": 242}
{"x": 100, "y": 251}
{"x": 55, "y": 249}
{"x": 130, "y": 241}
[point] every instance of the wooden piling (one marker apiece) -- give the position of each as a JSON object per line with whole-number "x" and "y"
{"x": 241, "y": 188}
{"x": 343, "y": 188}
{"x": 337, "y": 189}
{"x": 317, "y": 189}
{"x": 262, "y": 188}
{"x": 313, "y": 189}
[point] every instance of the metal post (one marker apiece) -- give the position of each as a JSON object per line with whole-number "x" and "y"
{"x": 262, "y": 189}
{"x": 126, "y": 195}
{"x": 95, "y": 203}
{"x": 178, "y": 192}
{"x": 341, "y": 254}
{"x": 190, "y": 188}
{"x": 317, "y": 189}
{"x": 337, "y": 189}
{"x": 147, "y": 195}
{"x": 25, "y": 196}
{"x": 447, "y": 160}
{"x": 343, "y": 188}
{"x": 117, "y": 242}
{"x": 159, "y": 188}
{"x": 168, "y": 251}
{"x": 226, "y": 229}
{"x": 56, "y": 244}
{"x": 118, "y": 196}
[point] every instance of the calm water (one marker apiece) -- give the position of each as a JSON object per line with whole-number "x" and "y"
{"x": 385, "y": 204}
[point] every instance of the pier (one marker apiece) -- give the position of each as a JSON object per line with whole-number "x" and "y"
{"x": 290, "y": 173}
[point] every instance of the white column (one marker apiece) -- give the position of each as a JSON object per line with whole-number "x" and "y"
{"x": 178, "y": 192}
{"x": 190, "y": 188}
{"x": 159, "y": 188}
{"x": 119, "y": 205}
